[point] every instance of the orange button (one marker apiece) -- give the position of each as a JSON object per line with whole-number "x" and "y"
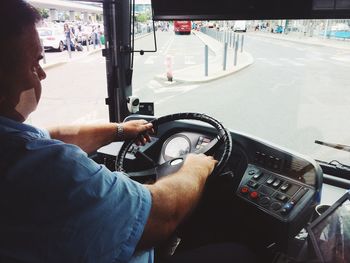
{"x": 244, "y": 190}
{"x": 254, "y": 195}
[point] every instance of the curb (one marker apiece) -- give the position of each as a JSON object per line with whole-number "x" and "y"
{"x": 216, "y": 76}
{"x": 60, "y": 63}
{"x": 53, "y": 65}
{"x": 144, "y": 35}
{"x": 210, "y": 46}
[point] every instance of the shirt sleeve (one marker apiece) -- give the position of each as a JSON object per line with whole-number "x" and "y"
{"x": 88, "y": 213}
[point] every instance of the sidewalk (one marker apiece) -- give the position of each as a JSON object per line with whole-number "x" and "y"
{"x": 301, "y": 39}
{"x": 196, "y": 74}
{"x": 57, "y": 59}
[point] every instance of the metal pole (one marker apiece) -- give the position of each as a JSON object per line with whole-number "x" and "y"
{"x": 94, "y": 40}
{"x": 225, "y": 56}
{"x": 235, "y": 54}
{"x": 230, "y": 39}
{"x": 234, "y": 39}
{"x": 325, "y": 29}
{"x": 43, "y": 53}
{"x": 87, "y": 43}
{"x": 242, "y": 41}
{"x": 206, "y": 60}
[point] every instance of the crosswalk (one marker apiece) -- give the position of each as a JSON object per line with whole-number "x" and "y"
{"x": 189, "y": 60}
{"x": 302, "y": 61}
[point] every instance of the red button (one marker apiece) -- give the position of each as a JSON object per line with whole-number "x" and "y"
{"x": 244, "y": 190}
{"x": 254, "y": 195}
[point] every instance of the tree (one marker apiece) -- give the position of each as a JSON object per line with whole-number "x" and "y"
{"x": 44, "y": 13}
{"x": 144, "y": 17}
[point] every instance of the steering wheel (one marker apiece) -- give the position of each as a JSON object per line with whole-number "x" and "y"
{"x": 223, "y": 137}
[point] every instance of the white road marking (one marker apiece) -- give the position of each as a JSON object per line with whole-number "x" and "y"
{"x": 342, "y": 58}
{"x": 292, "y": 62}
{"x": 150, "y": 60}
{"x": 270, "y": 62}
{"x": 189, "y": 60}
{"x": 169, "y": 43}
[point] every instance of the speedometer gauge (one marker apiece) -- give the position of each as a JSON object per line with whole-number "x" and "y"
{"x": 176, "y": 146}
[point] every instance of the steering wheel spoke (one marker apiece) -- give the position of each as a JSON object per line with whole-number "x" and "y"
{"x": 210, "y": 148}
{"x": 150, "y": 173}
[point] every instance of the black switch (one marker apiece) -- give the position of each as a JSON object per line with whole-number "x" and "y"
{"x": 258, "y": 175}
{"x": 251, "y": 172}
{"x": 276, "y": 206}
{"x": 285, "y": 187}
{"x": 281, "y": 197}
{"x": 299, "y": 195}
{"x": 253, "y": 184}
{"x": 277, "y": 183}
{"x": 270, "y": 180}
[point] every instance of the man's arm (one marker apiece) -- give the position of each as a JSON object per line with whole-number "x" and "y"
{"x": 92, "y": 137}
{"x": 174, "y": 197}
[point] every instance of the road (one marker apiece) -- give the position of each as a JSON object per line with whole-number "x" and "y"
{"x": 291, "y": 95}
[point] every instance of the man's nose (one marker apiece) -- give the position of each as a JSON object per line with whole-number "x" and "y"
{"x": 41, "y": 73}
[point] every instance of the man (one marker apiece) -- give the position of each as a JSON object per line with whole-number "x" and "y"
{"x": 56, "y": 204}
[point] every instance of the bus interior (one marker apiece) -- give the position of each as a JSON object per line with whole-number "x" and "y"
{"x": 261, "y": 193}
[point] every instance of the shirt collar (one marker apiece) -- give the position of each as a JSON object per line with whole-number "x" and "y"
{"x": 10, "y": 126}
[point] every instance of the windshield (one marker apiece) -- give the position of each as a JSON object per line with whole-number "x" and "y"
{"x": 289, "y": 85}
{"x": 284, "y": 81}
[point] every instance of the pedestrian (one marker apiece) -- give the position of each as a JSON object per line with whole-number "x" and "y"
{"x": 69, "y": 37}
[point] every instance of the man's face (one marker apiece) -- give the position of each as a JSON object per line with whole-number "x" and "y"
{"x": 24, "y": 84}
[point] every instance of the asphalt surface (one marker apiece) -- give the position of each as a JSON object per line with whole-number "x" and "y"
{"x": 291, "y": 95}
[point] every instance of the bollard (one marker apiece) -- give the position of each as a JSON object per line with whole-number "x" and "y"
{"x": 43, "y": 53}
{"x": 206, "y": 60}
{"x": 69, "y": 48}
{"x": 94, "y": 40}
{"x": 87, "y": 43}
{"x": 234, "y": 40}
{"x": 169, "y": 67}
{"x": 235, "y": 53}
{"x": 230, "y": 39}
{"x": 242, "y": 41}
{"x": 225, "y": 56}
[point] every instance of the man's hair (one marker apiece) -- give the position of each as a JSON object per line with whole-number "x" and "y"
{"x": 15, "y": 16}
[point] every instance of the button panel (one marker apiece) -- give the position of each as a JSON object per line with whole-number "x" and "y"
{"x": 277, "y": 194}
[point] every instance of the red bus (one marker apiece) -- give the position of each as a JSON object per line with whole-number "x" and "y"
{"x": 182, "y": 27}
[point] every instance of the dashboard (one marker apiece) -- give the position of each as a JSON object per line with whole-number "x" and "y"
{"x": 262, "y": 188}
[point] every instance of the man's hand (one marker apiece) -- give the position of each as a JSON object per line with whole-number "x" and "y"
{"x": 200, "y": 164}
{"x": 139, "y": 129}
{"x": 174, "y": 197}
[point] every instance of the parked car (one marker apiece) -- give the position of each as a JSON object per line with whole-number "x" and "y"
{"x": 240, "y": 26}
{"x": 52, "y": 38}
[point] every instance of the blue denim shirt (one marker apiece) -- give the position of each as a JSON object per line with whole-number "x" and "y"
{"x": 58, "y": 205}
